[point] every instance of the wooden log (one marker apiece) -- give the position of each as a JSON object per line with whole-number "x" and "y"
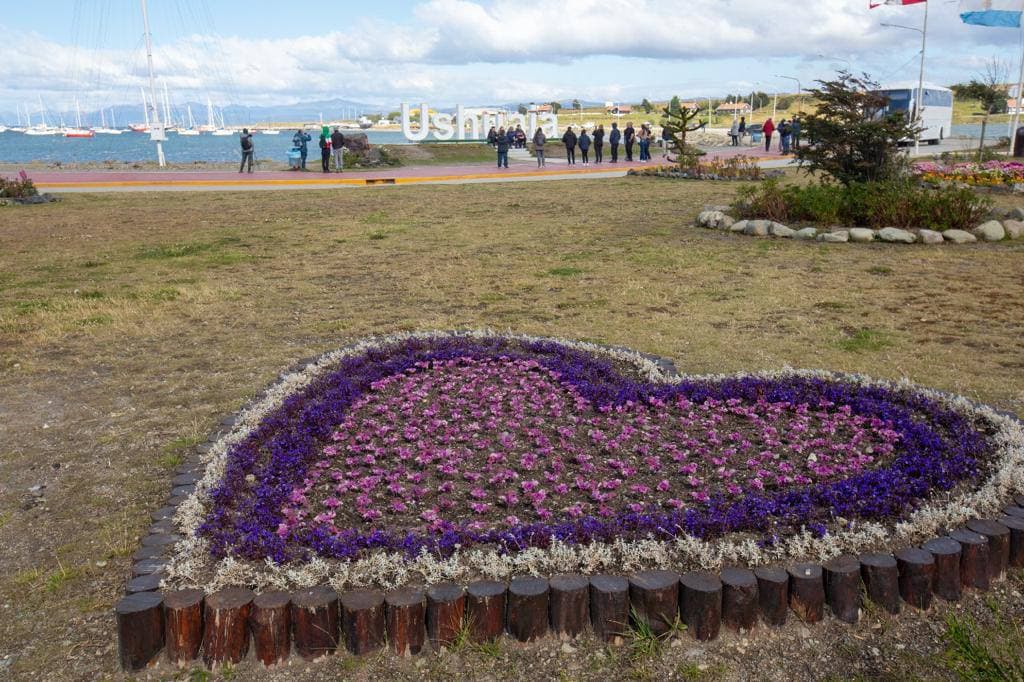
{"x": 363, "y": 622}
{"x": 881, "y": 580}
{"x": 485, "y": 609}
{"x": 406, "y": 620}
{"x": 807, "y": 592}
{"x": 654, "y": 597}
{"x": 140, "y": 629}
{"x": 1014, "y": 510}
{"x": 916, "y": 568}
{"x": 998, "y": 545}
{"x": 842, "y": 587}
{"x": 183, "y": 625}
{"x": 570, "y": 605}
{"x": 314, "y": 620}
{"x": 1016, "y": 527}
{"x": 701, "y": 604}
{"x": 446, "y": 607}
{"x": 946, "y": 579}
{"x": 527, "y": 608}
{"x": 974, "y": 566}
{"x": 226, "y": 626}
{"x": 772, "y": 593}
{"x": 271, "y": 627}
{"x": 609, "y": 607}
{"x": 739, "y": 598}
{"x": 149, "y": 582}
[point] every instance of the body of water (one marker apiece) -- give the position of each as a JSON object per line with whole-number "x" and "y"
{"x": 133, "y": 147}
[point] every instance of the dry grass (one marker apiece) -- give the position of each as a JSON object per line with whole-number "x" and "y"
{"x": 130, "y": 324}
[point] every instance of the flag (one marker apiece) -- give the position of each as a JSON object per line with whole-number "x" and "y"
{"x": 878, "y": 3}
{"x": 992, "y": 12}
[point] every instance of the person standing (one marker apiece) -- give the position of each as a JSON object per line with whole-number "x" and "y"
{"x": 502, "y": 144}
{"x": 338, "y": 150}
{"x": 768, "y": 128}
{"x": 795, "y": 130}
{"x": 785, "y": 133}
{"x": 520, "y": 137}
{"x": 743, "y": 127}
{"x": 734, "y": 133}
{"x": 584, "y": 146}
{"x": 539, "y": 138}
{"x": 325, "y": 152}
{"x": 569, "y": 140}
{"x": 644, "y": 140}
{"x": 614, "y": 138}
{"x": 247, "y": 149}
{"x": 666, "y": 141}
{"x": 628, "y": 138}
{"x": 599, "y": 144}
{"x": 492, "y": 137}
{"x": 301, "y": 142}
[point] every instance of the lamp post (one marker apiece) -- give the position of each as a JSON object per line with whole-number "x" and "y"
{"x": 920, "y": 80}
{"x": 799, "y": 90}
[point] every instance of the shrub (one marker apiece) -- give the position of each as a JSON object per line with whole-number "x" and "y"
{"x": 17, "y": 188}
{"x": 895, "y": 203}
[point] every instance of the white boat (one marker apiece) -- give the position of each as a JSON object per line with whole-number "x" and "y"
{"x": 3, "y": 129}
{"x": 103, "y": 129}
{"x": 191, "y": 130}
{"x": 78, "y": 132}
{"x": 270, "y": 131}
{"x": 41, "y": 128}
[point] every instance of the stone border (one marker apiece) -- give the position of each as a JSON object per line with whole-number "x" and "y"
{"x": 716, "y": 218}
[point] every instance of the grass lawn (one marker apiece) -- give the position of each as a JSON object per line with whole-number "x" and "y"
{"x": 131, "y": 324}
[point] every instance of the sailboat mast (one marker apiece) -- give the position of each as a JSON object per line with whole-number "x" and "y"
{"x": 78, "y": 115}
{"x": 145, "y": 107}
{"x": 157, "y": 131}
{"x": 167, "y": 106}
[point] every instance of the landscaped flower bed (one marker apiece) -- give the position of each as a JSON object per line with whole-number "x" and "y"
{"x": 441, "y": 449}
{"x": 998, "y": 174}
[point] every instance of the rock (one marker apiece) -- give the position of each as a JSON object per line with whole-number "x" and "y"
{"x": 930, "y": 236}
{"x": 861, "y": 235}
{"x": 757, "y": 228}
{"x": 703, "y": 218}
{"x": 896, "y": 235}
{"x": 806, "y": 233}
{"x": 1016, "y": 213}
{"x": 357, "y": 143}
{"x": 739, "y": 226}
{"x": 837, "y": 237}
{"x": 1014, "y": 228}
{"x": 719, "y": 208}
{"x": 724, "y": 223}
{"x": 959, "y": 237}
{"x": 713, "y": 219}
{"x": 992, "y": 231}
{"x": 780, "y": 230}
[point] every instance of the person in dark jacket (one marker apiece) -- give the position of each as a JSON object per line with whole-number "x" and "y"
{"x": 785, "y": 136}
{"x": 492, "y": 136}
{"x": 247, "y": 149}
{"x": 613, "y": 139}
{"x": 325, "y": 152}
{"x": 511, "y": 137}
{"x": 795, "y": 131}
{"x": 520, "y": 138}
{"x": 301, "y": 142}
{"x": 628, "y": 138}
{"x": 502, "y": 144}
{"x": 569, "y": 140}
{"x": 584, "y": 143}
{"x": 338, "y": 150}
{"x": 598, "y": 143}
{"x": 539, "y": 138}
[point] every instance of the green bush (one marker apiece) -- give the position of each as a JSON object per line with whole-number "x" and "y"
{"x": 17, "y": 188}
{"x": 893, "y": 203}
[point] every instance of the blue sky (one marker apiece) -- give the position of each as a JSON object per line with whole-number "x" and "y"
{"x": 470, "y": 51}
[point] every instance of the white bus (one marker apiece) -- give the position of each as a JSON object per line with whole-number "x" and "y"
{"x": 936, "y": 107}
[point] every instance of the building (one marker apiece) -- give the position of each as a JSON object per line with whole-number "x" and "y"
{"x": 618, "y": 109}
{"x": 690, "y": 106}
{"x": 734, "y": 108}
{"x": 540, "y": 109}
{"x": 1013, "y": 106}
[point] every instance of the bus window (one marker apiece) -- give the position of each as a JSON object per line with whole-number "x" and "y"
{"x": 938, "y": 98}
{"x": 899, "y": 101}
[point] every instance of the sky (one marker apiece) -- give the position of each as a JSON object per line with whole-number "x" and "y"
{"x": 471, "y": 52}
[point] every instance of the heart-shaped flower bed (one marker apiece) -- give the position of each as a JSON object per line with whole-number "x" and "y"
{"x": 435, "y": 443}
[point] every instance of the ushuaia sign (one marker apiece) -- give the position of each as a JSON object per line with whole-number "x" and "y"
{"x": 470, "y": 124}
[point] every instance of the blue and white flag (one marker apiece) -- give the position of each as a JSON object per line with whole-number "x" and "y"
{"x": 992, "y": 12}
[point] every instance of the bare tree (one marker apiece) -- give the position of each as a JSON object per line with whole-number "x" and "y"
{"x": 989, "y": 88}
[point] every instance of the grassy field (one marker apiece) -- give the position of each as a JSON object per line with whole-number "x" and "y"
{"x": 131, "y": 324}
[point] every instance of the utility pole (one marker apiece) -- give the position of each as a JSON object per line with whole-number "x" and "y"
{"x": 156, "y": 132}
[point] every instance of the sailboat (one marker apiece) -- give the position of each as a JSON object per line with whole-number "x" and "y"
{"x": 223, "y": 130}
{"x": 78, "y": 131}
{"x": 139, "y": 128}
{"x": 191, "y": 130}
{"x": 20, "y": 128}
{"x": 42, "y": 128}
{"x": 103, "y": 129}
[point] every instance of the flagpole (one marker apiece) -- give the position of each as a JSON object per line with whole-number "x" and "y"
{"x": 1015, "y": 120}
{"x": 920, "y": 84}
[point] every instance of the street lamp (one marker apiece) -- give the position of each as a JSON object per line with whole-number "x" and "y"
{"x": 920, "y": 80}
{"x": 799, "y": 90}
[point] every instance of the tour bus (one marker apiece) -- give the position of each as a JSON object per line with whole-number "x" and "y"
{"x": 936, "y": 108}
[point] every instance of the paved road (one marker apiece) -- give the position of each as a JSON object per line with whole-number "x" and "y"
{"x": 521, "y": 170}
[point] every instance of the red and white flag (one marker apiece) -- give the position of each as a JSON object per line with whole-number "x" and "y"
{"x": 878, "y": 3}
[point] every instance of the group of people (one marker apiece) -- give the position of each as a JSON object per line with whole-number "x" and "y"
{"x": 331, "y": 146}
{"x": 789, "y": 133}
{"x": 628, "y": 138}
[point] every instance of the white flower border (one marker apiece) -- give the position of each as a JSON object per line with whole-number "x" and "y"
{"x": 191, "y": 565}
